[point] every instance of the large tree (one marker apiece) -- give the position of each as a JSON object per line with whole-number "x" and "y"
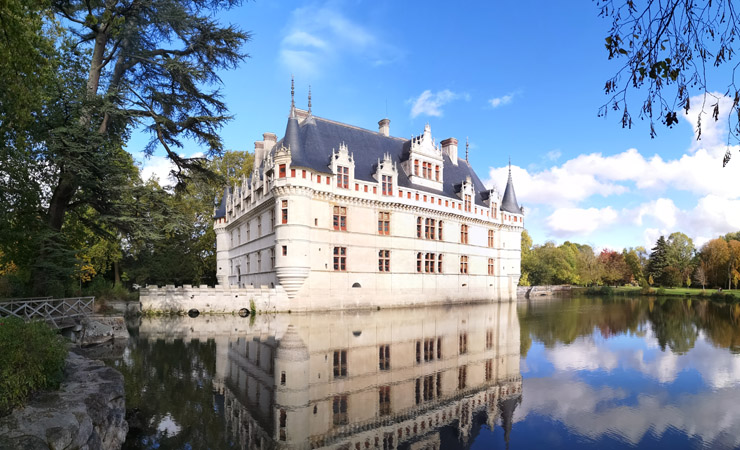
{"x": 680, "y": 253}
{"x": 116, "y": 65}
{"x": 658, "y": 260}
{"x": 670, "y": 49}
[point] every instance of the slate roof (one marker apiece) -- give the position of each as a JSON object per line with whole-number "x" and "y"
{"x": 312, "y": 141}
{"x": 509, "y": 203}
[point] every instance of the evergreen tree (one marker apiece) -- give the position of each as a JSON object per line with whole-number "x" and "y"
{"x": 658, "y": 260}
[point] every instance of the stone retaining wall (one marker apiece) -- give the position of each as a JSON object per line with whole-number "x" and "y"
{"x": 208, "y": 299}
{"x": 87, "y": 412}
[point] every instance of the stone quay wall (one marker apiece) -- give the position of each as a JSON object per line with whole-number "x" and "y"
{"x": 215, "y": 300}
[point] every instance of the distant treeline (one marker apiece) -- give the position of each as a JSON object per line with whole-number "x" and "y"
{"x": 672, "y": 262}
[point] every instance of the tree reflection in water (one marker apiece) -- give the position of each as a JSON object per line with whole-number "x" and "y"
{"x": 171, "y": 398}
{"x": 676, "y": 322}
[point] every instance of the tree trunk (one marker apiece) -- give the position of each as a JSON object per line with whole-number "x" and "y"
{"x": 117, "y": 274}
{"x": 60, "y": 200}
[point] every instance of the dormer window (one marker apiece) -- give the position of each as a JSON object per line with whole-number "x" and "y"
{"x": 468, "y": 202}
{"x": 387, "y": 182}
{"x": 343, "y": 177}
{"x": 436, "y": 173}
{"x": 416, "y": 167}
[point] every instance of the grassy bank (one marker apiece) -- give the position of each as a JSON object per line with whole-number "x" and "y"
{"x": 730, "y": 296}
{"x": 31, "y": 359}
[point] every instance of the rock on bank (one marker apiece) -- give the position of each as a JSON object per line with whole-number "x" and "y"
{"x": 87, "y": 412}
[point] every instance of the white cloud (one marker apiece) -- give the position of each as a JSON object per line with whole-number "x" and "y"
{"x": 567, "y": 191}
{"x": 159, "y": 168}
{"x": 501, "y": 101}
{"x": 596, "y": 413}
{"x": 317, "y": 37}
{"x": 430, "y": 104}
{"x": 566, "y": 221}
{"x": 553, "y": 155}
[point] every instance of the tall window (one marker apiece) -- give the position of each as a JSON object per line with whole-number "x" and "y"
{"x": 281, "y": 171}
{"x": 387, "y": 185}
{"x": 384, "y": 357}
{"x": 429, "y": 262}
{"x": 463, "y": 264}
{"x": 468, "y": 202}
{"x": 490, "y": 267}
{"x": 384, "y": 223}
{"x": 418, "y": 227}
{"x": 489, "y": 339}
{"x": 489, "y": 369}
{"x": 428, "y": 350}
{"x": 490, "y": 238}
{"x": 340, "y": 258}
{"x": 249, "y": 231}
{"x": 425, "y": 170}
{"x": 259, "y": 225}
{"x": 238, "y": 236}
{"x": 272, "y": 258}
{"x": 439, "y": 263}
{"x": 339, "y": 407}
{"x": 259, "y": 261}
{"x": 462, "y": 377}
{"x": 283, "y": 423}
{"x": 436, "y": 173}
{"x": 343, "y": 177}
{"x": 384, "y": 261}
{"x": 430, "y": 227}
{"x": 272, "y": 220}
{"x": 418, "y": 262}
{"x": 340, "y": 363}
{"x": 416, "y": 167}
{"x": 384, "y": 400}
{"x": 463, "y": 347}
{"x": 439, "y": 231}
{"x": 284, "y": 218}
{"x": 249, "y": 264}
{"x": 340, "y": 218}
{"x": 463, "y": 234}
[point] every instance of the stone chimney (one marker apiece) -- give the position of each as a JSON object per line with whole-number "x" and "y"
{"x": 449, "y": 146}
{"x": 384, "y": 127}
{"x": 270, "y": 140}
{"x": 259, "y": 152}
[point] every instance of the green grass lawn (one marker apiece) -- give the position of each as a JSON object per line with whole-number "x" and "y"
{"x": 682, "y": 292}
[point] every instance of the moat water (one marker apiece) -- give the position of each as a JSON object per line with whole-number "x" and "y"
{"x": 563, "y": 373}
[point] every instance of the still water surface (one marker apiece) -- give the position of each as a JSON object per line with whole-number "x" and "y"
{"x": 566, "y": 373}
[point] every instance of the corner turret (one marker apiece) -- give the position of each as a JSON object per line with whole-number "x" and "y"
{"x": 509, "y": 203}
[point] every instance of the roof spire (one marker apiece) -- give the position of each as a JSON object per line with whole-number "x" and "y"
{"x": 309, "y": 99}
{"x": 467, "y": 146}
{"x": 292, "y": 96}
{"x": 508, "y": 202}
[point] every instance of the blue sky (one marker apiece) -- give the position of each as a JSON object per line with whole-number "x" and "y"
{"x": 521, "y": 79}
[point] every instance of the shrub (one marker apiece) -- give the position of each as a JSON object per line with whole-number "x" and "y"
{"x": 661, "y": 291}
{"x": 31, "y": 359}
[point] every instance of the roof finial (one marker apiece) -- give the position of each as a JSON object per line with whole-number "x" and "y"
{"x": 292, "y": 96}
{"x": 309, "y": 99}
{"x": 467, "y": 146}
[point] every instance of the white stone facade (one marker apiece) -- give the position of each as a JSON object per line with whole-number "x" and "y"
{"x": 328, "y": 235}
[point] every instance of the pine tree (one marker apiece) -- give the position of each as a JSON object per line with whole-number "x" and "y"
{"x": 658, "y": 260}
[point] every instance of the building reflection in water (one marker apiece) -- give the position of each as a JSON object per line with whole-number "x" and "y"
{"x": 412, "y": 378}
